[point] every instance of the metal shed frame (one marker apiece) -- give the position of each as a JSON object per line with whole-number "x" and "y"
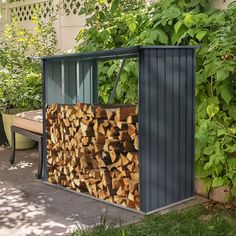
{"x": 166, "y": 113}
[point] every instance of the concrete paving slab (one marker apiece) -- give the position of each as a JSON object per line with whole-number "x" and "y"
{"x": 30, "y": 207}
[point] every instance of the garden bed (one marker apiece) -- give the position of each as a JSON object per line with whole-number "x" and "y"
{"x": 218, "y": 194}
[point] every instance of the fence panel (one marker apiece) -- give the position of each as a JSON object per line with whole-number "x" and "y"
{"x": 67, "y": 25}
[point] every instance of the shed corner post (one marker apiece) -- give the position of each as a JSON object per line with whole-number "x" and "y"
{"x": 141, "y": 109}
{"x": 44, "y": 147}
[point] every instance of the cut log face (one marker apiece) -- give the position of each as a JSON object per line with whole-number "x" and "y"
{"x": 94, "y": 149}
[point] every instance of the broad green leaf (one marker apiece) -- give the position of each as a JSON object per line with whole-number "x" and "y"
{"x": 105, "y": 98}
{"x": 200, "y": 172}
{"x": 212, "y": 110}
{"x": 232, "y": 111}
{"x": 226, "y": 93}
{"x": 177, "y": 37}
{"x": 220, "y": 132}
{"x": 222, "y": 74}
{"x": 171, "y": 11}
{"x": 198, "y": 149}
{"x": 231, "y": 148}
{"x": 217, "y": 170}
{"x": 124, "y": 77}
{"x": 234, "y": 186}
{"x": 207, "y": 166}
{"x": 132, "y": 26}
{"x": 177, "y": 26}
{"x": 232, "y": 163}
{"x": 232, "y": 130}
{"x": 119, "y": 90}
{"x": 111, "y": 70}
{"x": 188, "y": 20}
{"x": 208, "y": 150}
{"x": 201, "y": 34}
{"x": 213, "y": 100}
{"x": 217, "y": 182}
{"x": 153, "y": 35}
{"x": 206, "y": 184}
{"x": 162, "y": 36}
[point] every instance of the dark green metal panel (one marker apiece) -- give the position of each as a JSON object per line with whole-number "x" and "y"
{"x": 70, "y": 82}
{"x": 87, "y": 91}
{"x": 53, "y": 81}
{"x": 166, "y": 126}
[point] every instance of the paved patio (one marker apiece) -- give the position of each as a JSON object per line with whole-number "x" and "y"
{"x": 29, "y": 207}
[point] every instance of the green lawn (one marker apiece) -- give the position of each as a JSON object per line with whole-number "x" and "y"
{"x": 198, "y": 220}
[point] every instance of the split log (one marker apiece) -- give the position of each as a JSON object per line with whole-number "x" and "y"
{"x": 94, "y": 149}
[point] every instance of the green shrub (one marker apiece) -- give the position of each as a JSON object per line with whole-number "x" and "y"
{"x": 114, "y": 24}
{"x": 20, "y": 77}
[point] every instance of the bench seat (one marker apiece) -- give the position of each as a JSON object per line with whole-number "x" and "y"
{"x": 29, "y": 124}
{"x": 30, "y": 120}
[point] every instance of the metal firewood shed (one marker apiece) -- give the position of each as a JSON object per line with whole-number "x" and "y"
{"x": 166, "y": 112}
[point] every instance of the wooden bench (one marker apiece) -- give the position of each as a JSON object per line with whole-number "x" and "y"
{"x": 28, "y": 124}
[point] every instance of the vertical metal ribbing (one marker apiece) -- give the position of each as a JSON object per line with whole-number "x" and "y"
{"x": 78, "y": 79}
{"x": 160, "y": 97}
{"x": 176, "y": 115}
{"x": 169, "y": 125}
{"x": 154, "y": 124}
{"x": 182, "y": 124}
{"x": 91, "y": 82}
{"x": 63, "y": 81}
{"x": 95, "y": 82}
{"x": 193, "y": 116}
{"x": 165, "y": 126}
{"x": 189, "y": 118}
{"x": 142, "y": 142}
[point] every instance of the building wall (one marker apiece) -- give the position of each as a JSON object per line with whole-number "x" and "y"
{"x": 68, "y": 24}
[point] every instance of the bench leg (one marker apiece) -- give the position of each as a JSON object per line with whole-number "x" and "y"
{"x": 40, "y": 166}
{"x": 13, "y": 149}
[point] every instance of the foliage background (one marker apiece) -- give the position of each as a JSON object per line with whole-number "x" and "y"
{"x": 127, "y": 23}
{"x": 20, "y": 77}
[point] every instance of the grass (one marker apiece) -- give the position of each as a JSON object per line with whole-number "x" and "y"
{"x": 198, "y": 220}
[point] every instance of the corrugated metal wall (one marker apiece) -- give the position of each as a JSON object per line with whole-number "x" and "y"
{"x": 166, "y": 124}
{"x": 166, "y": 113}
{"x": 69, "y": 82}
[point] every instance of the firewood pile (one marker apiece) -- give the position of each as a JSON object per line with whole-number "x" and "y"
{"x": 94, "y": 149}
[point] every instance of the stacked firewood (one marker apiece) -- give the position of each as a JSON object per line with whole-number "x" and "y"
{"x": 94, "y": 149}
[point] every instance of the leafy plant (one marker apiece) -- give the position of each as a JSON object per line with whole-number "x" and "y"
{"x": 115, "y": 24}
{"x": 20, "y": 77}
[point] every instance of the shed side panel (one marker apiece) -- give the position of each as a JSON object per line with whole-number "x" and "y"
{"x": 166, "y": 120}
{"x": 53, "y": 82}
{"x": 88, "y": 91}
{"x": 70, "y": 82}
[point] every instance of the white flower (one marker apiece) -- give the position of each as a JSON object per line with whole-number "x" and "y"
{"x": 4, "y": 1}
